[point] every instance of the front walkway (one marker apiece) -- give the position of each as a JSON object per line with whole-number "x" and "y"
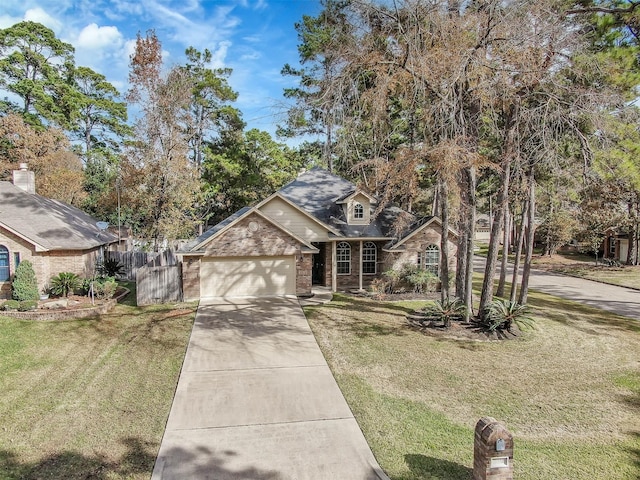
{"x": 612, "y": 298}
{"x": 256, "y": 400}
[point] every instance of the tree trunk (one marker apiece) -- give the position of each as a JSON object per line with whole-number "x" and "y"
{"x": 464, "y": 231}
{"x": 519, "y": 243}
{"x": 461, "y": 255}
{"x": 526, "y": 271}
{"x": 486, "y": 295}
{"x": 444, "y": 242}
{"x": 504, "y": 264}
{"x": 468, "y": 292}
{"x": 632, "y": 251}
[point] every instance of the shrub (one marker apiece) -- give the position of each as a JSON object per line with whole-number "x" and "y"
{"x": 112, "y": 267}
{"x": 447, "y": 310}
{"x": 24, "y": 285}
{"x": 65, "y": 283}
{"x": 379, "y": 287}
{"x": 27, "y": 305}
{"x": 503, "y": 314}
{"x": 10, "y": 305}
{"x": 423, "y": 280}
{"x": 105, "y": 288}
{"x": 409, "y": 276}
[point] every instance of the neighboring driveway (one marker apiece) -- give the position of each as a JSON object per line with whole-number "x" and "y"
{"x": 620, "y": 300}
{"x": 256, "y": 400}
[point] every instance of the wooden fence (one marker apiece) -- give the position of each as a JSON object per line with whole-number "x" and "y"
{"x": 132, "y": 262}
{"x": 158, "y": 276}
{"x": 159, "y": 284}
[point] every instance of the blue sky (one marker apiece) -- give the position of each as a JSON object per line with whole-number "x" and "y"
{"x": 253, "y": 37}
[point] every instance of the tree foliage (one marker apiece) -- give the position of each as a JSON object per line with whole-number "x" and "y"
{"x": 166, "y": 186}
{"x": 24, "y": 285}
{"x": 36, "y": 67}
{"x": 48, "y": 153}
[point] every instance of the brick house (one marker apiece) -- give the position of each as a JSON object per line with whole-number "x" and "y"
{"x": 320, "y": 229}
{"x": 53, "y": 236}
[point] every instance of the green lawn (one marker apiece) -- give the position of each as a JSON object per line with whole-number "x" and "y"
{"x": 569, "y": 391}
{"x": 89, "y": 398}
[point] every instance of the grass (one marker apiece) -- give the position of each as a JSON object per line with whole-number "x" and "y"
{"x": 569, "y": 390}
{"x": 89, "y": 398}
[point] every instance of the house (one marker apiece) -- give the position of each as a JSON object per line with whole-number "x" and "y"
{"x": 615, "y": 245}
{"x": 53, "y": 236}
{"x": 320, "y": 229}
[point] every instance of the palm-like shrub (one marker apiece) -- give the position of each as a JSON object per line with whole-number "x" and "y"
{"x": 504, "y": 313}
{"x": 64, "y": 283}
{"x": 25, "y": 285}
{"x": 112, "y": 267}
{"x": 447, "y": 310}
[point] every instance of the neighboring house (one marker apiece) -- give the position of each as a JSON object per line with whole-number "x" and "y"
{"x": 616, "y": 245}
{"x": 483, "y": 228}
{"x": 53, "y": 236}
{"x": 317, "y": 230}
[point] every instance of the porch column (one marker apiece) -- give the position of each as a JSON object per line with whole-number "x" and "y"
{"x": 334, "y": 268}
{"x": 360, "y": 271}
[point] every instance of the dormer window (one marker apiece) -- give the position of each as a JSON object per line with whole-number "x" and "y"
{"x": 358, "y": 211}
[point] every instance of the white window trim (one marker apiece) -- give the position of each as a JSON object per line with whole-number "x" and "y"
{"x": 358, "y": 213}
{"x": 338, "y": 261}
{"x": 374, "y": 260}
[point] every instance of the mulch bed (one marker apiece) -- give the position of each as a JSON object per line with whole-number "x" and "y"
{"x": 459, "y": 330}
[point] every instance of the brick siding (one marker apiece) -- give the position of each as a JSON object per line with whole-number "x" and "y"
{"x": 45, "y": 264}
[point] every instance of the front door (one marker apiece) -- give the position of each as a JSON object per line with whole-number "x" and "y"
{"x": 318, "y": 272}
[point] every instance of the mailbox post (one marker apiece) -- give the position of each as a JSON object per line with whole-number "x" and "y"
{"x": 492, "y": 451}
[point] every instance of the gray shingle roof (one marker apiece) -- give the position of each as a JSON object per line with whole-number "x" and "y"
{"x": 317, "y": 191}
{"x": 51, "y": 224}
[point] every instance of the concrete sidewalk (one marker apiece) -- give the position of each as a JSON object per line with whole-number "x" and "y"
{"x": 619, "y": 300}
{"x": 256, "y": 400}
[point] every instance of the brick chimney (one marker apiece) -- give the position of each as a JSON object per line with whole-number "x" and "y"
{"x": 25, "y": 179}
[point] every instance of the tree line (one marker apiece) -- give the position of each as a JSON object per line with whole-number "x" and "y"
{"x": 184, "y": 162}
{"x": 524, "y": 109}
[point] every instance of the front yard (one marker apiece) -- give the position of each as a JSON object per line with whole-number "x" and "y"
{"x": 88, "y": 399}
{"x": 569, "y": 391}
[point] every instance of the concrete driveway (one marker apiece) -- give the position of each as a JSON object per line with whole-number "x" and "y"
{"x": 256, "y": 400}
{"x": 619, "y": 300}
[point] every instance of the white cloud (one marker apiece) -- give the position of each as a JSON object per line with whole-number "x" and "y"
{"x": 40, "y": 16}
{"x": 7, "y": 20}
{"x": 94, "y": 37}
{"x": 219, "y": 55}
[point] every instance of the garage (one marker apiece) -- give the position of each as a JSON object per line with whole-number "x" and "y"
{"x": 247, "y": 276}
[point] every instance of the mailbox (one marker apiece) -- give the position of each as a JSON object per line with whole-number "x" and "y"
{"x": 492, "y": 451}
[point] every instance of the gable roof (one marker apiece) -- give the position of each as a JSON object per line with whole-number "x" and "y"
{"x": 320, "y": 193}
{"x": 416, "y": 228}
{"x": 48, "y": 224}
{"x": 196, "y": 246}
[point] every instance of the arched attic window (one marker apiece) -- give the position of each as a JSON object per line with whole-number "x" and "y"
{"x": 358, "y": 211}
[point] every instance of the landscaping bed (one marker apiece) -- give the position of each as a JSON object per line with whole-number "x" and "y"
{"x": 69, "y": 308}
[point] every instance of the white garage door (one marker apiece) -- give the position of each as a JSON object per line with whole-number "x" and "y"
{"x": 247, "y": 276}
